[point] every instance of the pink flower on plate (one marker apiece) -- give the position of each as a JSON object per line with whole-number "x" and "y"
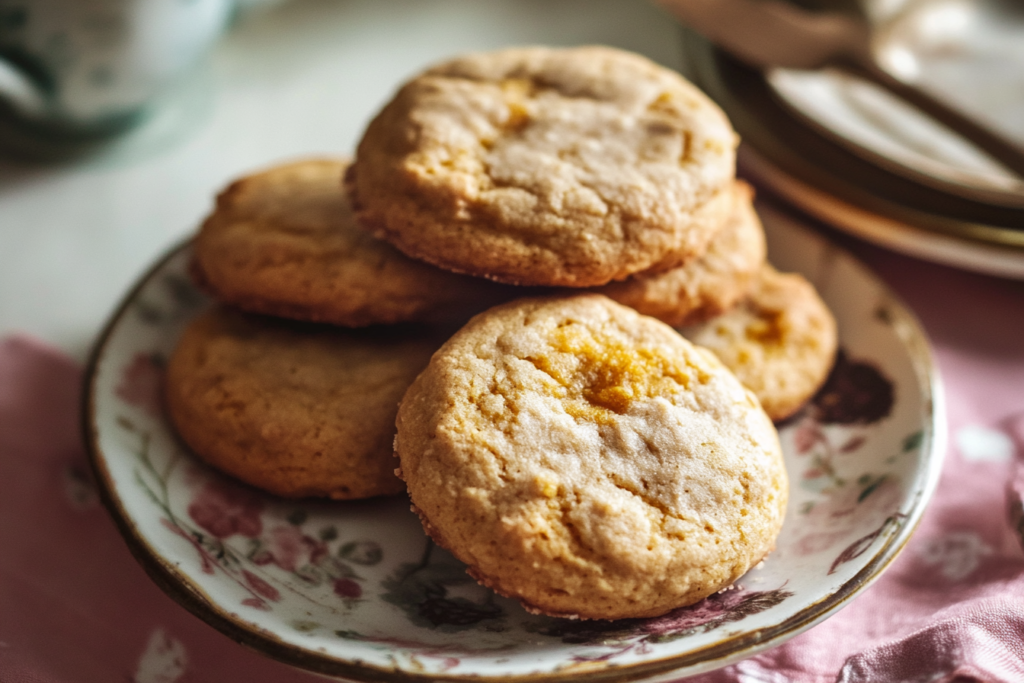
{"x": 846, "y": 513}
{"x": 806, "y": 435}
{"x": 347, "y": 588}
{"x": 224, "y": 509}
{"x": 141, "y": 383}
{"x": 289, "y": 548}
{"x": 257, "y": 603}
{"x": 261, "y": 587}
{"x": 706, "y": 611}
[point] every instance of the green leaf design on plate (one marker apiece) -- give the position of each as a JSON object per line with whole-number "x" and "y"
{"x": 367, "y": 553}
{"x": 871, "y": 487}
{"x": 913, "y": 441}
{"x": 421, "y": 590}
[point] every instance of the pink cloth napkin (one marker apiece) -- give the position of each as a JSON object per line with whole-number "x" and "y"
{"x": 76, "y": 608}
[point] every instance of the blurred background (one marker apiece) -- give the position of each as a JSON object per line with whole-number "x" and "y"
{"x": 79, "y": 220}
{"x": 121, "y": 119}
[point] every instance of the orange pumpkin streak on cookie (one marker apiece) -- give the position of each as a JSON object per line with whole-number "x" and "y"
{"x": 768, "y": 329}
{"x": 603, "y": 376}
{"x": 517, "y": 91}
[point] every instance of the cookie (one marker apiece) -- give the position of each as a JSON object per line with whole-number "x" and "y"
{"x": 284, "y": 242}
{"x": 781, "y": 341}
{"x": 706, "y": 286}
{"x": 540, "y": 166}
{"x": 588, "y": 461}
{"x": 297, "y": 410}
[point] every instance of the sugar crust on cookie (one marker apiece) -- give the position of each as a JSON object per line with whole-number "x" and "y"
{"x": 296, "y": 410}
{"x": 565, "y": 167}
{"x": 284, "y": 242}
{"x": 780, "y": 341}
{"x": 588, "y": 461}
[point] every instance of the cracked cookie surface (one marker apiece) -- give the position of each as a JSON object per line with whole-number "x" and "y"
{"x": 284, "y": 242}
{"x": 294, "y": 409}
{"x": 707, "y": 286}
{"x": 540, "y": 166}
{"x": 589, "y": 461}
{"x": 780, "y": 341}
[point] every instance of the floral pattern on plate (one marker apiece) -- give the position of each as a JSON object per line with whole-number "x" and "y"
{"x": 357, "y": 589}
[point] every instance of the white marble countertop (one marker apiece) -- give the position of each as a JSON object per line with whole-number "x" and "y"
{"x": 289, "y": 79}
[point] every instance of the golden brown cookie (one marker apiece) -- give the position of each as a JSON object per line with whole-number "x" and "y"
{"x": 588, "y": 461}
{"x": 540, "y": 166}
{"x": 781, "y": 341}
{"x": 707, "y": 286}
{"x": 294, "y": 409}
{"x": 284, "y": 242}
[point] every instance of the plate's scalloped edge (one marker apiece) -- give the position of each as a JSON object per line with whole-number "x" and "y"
{"x": 179, "y": 588}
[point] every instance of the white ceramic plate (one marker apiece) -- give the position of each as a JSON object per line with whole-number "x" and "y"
{"x": 886, "y": 231}
{"x": 860, "y": 193}
{"x": 357, "y": 590}
{"x": 970, "y": 52}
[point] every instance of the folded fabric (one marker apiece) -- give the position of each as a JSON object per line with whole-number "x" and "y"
{"x": 951, "y": 607}
{"x": 76, "y": 608}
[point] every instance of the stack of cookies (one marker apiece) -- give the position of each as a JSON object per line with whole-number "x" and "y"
{"x": 567, "y": 442}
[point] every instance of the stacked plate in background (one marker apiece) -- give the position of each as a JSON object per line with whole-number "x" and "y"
{"x": 859, "y": 160}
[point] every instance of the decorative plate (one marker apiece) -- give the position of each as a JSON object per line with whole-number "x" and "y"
{"x": 356, "y": 589}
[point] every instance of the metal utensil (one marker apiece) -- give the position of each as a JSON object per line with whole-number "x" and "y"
{"x": 771, "y": 33}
